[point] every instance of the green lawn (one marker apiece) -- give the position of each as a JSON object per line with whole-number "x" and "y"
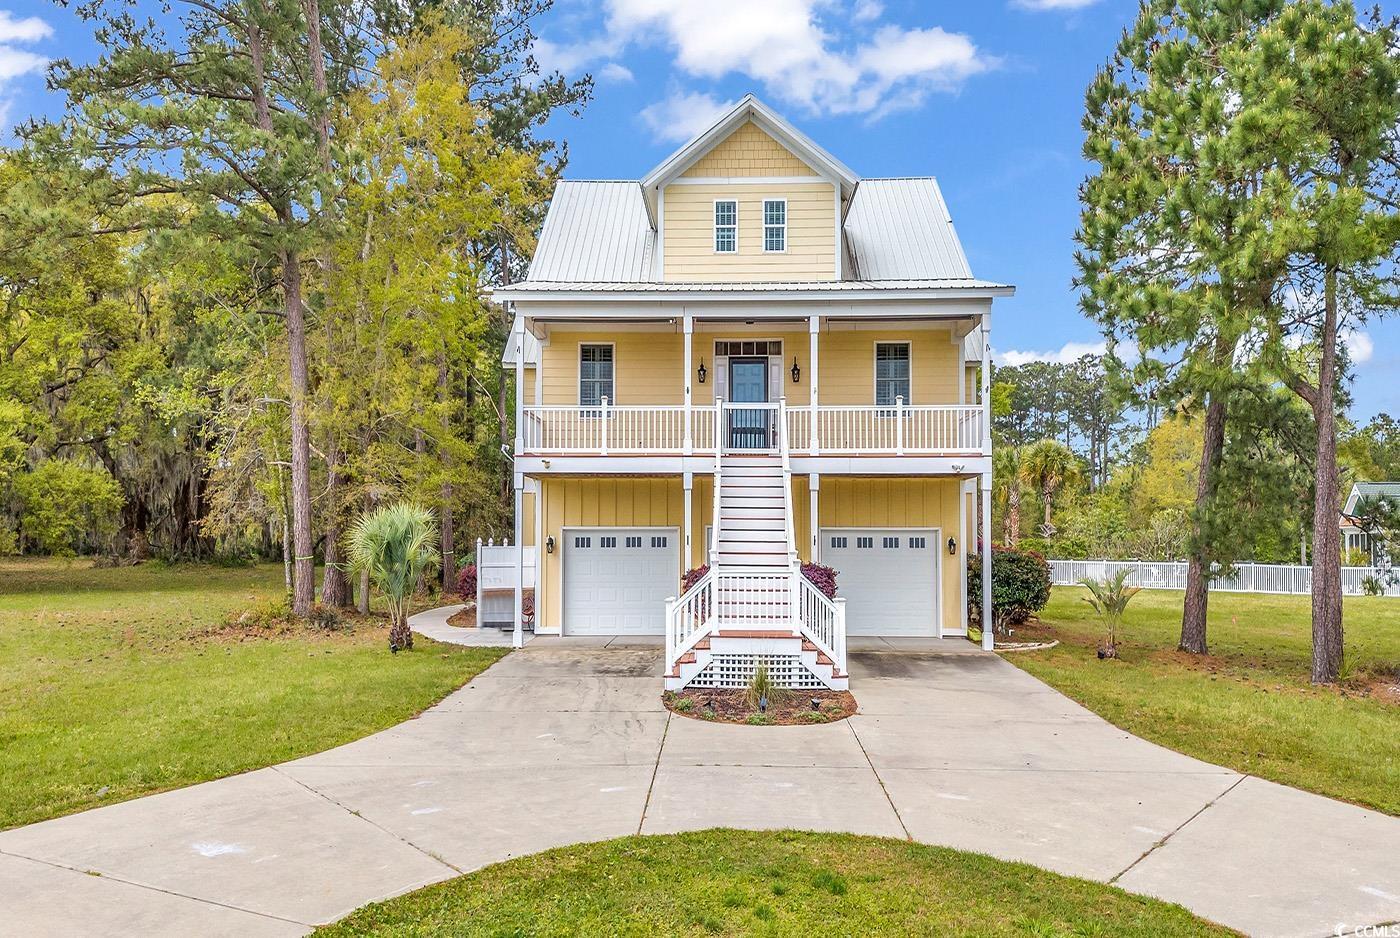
{"x": 115, "y": 683}
{"x": 1249, "y": 705}
{"x": 736, "y": 882}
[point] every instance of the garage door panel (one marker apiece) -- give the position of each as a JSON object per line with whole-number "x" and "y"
{"x": 889, "y": 578}
{"x": 617, "y": 580}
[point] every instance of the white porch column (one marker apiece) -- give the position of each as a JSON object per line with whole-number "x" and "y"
{"x": 687, "y": 483}
{"x": 519, "y": 329}
{"x": 538, "y": 487}
{"x": 814, "y": 494}
{"x": 814, "y": 325}
{"x": 987, "y": 638}
{"x": 986, "y": 400}
{"x": 688, "y": 443}
{"x": 517, "y": 639}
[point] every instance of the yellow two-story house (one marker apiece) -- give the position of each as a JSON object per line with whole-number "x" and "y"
{"x": 750, "y": 359}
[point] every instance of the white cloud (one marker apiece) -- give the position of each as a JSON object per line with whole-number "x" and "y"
{"x": 683, "y": 114}
{"x": 29, "y": 29}
{"x": 14, "y": 61}
{"x": 1066, "y": 354}
{"x": 857, "y": 66}
{"x": 1053, "y": 4}
{"x": 615, "y": 72}
{"x": 1359, "y": 345}
{"x": 867, "y": 10}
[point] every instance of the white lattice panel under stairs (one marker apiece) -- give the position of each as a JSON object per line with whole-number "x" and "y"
{"x": 737, "y": 670}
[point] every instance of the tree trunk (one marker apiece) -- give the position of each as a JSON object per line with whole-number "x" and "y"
{"x": 1327, "y": 556}
{"x": 335, "y": 587}
{"x": 1013, "y": 515}
{"x": 449, "y": 555}
{"x": 303, "y": 582}
{"x": 1193, "y": 611}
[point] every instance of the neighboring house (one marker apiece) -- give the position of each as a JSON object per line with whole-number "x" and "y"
{"x": 1353, "y": 537}
{"x": 752, "y": 319}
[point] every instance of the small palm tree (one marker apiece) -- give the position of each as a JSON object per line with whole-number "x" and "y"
{"x": 397, "y": 546}
{"x": 1110, "y": 598}
{"x": 1048, "y": 465}
{"x": 1006, "y": 490}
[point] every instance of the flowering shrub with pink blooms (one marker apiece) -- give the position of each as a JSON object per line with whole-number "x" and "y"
{"x": 822, "y": 577}
{"x": 466, "y": 581}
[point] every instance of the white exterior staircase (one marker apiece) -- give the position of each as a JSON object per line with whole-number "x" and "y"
{"x": 754, "y": 607}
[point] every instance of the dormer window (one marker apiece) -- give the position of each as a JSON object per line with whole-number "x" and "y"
{"x": 726, "y": 226}
{"x": 774, "y": 225}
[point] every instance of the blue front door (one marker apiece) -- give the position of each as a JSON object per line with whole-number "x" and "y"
{"x": 748, "y": 384}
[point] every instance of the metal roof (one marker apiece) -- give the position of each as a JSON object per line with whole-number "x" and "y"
{"x": 900, "y": 228}
{"x": 1362, "y": 490}
{"x": 532, "y": 347}
{"x": 595, "y": 230}
{"x": 535, "y": 289}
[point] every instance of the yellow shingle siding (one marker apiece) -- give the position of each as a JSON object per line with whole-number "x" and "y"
{"x": 689, "y": 233}
{"x": 748, "y": 151}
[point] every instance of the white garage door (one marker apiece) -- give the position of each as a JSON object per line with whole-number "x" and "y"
{"x": 889, "y": 578}
{"x": 617, "y": 580}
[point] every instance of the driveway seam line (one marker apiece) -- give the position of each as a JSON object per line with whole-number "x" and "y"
{"x": 883, "y": 790}
{"x": 655, "y": 770}
{"x": 358, "y": 816}
{"x": 118, "y": 878}
{"x": 1176, "y": 830}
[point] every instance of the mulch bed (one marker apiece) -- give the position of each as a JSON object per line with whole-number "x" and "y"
{"x": 465, "y": 619}
{"x": 792, "y": 708}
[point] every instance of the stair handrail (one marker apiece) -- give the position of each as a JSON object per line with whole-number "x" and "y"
{"x": 822, "y": 621}
{"x": 712, "y": 555}
{"x": 695, "y": 604}
{"x": 787, "y": 485}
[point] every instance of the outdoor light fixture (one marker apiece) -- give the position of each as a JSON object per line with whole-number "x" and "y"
{"x": 702, "y": 372}
{"x": 796, "y": 372}
{"x": 952, "y": 545}
{"x": 549, "y": 544}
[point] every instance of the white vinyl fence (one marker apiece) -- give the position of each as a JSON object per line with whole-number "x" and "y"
{"x": 1247, "y": 578}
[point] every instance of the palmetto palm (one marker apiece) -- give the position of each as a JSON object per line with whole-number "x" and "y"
{"x": 397, "y": 546}
{"x": 1110, "y": 597}
{"x": 1048, "y": 465}
{"x": 1006, "y": 490}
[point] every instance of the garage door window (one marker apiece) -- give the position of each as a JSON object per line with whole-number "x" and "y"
{"x": 865, "y": 542}
{"x": 891, "y": 542}
{"x": 583, "y": 542}
{"x": 838, "y": 542}
{"x": 918, "y": 543}
{"x": 655, "y": 542}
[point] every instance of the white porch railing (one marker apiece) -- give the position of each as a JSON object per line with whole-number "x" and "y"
{"x": 659, "y": 429}
{"x": 823, "y": 621}
{"x": 690, "y": 618}
{"x": 900, "y": 430}
{"x": 1247, "y": 578}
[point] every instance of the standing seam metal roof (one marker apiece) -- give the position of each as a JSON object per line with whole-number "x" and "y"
{"x": 595, "y": 230}
{"x": 900, "y": 229}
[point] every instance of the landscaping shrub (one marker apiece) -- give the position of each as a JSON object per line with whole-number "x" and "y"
{"x": 692, "y": 576}
{"x": 1020, "y": 586}
{"x": 466, "y": 581}
{"x": 822, "y": 577}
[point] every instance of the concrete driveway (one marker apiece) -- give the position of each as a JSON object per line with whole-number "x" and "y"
{"x": 566, "y": 741}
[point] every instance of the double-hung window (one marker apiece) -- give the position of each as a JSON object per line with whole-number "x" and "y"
{"x": 726, "y": 226}
{"x": 891, "y": 373}
{"x": 775, "y": 225}
{"x": 595, "y": 375}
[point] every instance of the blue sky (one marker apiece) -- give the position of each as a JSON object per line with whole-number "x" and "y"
{"x": 986, "y": 96}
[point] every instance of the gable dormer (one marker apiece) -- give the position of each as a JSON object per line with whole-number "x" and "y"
{"x": 749, "y": 200}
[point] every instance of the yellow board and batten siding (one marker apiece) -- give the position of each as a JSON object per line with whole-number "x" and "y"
{"x": 659, "y": 502}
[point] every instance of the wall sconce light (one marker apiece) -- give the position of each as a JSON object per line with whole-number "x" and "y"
{"x": 549, "y": 544}
{"x": 796, "y": 372}
{"x": 952, "y": 545}
{"x": 702, "y": 372}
